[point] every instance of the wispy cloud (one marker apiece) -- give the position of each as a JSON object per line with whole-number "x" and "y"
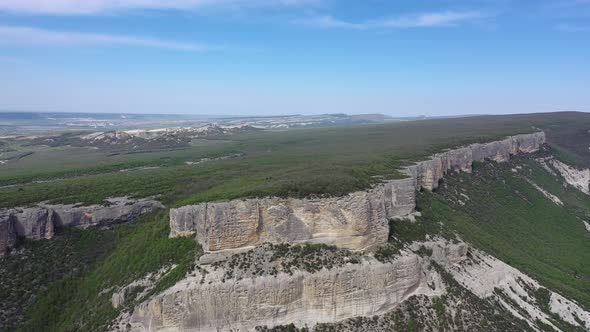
{"x": 425, "y": 20}
{"x": 31, "y": 35}
{"x": 88, "y": 7}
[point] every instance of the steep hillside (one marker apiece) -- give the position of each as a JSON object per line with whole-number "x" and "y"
{"x": 65, "y": 284}
{"x": 417, "y": 266}
{"x": 524, "y": 215}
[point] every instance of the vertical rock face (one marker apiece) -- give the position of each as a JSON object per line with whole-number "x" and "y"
{"x": 428, "y": 173}
{"x": 35, "y": 223}
{"x": 7, "y": 234}
{"x": 205, "y": 302}
{"x": 356, "y": 221}
{"x": 365, "y": 289}
{"x": 118, "y": 210}
{"x": 39, "y": 222}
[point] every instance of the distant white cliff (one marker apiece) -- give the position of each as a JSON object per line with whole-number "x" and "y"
{"x": 39, "y": 222}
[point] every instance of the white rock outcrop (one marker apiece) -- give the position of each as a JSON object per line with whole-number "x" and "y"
{"x": 578, "y": 178}
{"x": 205, "y": 302}
{"x": 428, "y": 173}
{"x": 39, "y": 222}
{"x": 303, "y": 298}
{"x": 355, "y": 221}
{"x": 485, "y": 275}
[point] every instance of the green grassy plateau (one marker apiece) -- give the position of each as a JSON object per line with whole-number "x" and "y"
{"x": 323, "y": 161}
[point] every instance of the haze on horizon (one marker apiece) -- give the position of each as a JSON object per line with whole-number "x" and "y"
{"x": 275, "y": 57}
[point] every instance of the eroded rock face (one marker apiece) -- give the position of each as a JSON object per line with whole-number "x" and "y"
{"x": 578, "y": 178}
{"x": 487, "y": 276}
{"x": 206, "y": 302}
{"x": 118, "y": 210}
{"x": 7, "y": 234}
{"x": 355, "y": 221}
{"x": 365, "y": 289}
{"x": 39, "y": 222}
{"x": 428, "y": 173}
{"x": 34, "y": 223}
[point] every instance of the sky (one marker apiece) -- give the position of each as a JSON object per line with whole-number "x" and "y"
{"x": 275, "y": 57}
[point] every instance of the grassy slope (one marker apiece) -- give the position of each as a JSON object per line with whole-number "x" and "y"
{"x": 25, "y": 275}
{"x": 88, "y": 262}
{"x": 508, "y": 218}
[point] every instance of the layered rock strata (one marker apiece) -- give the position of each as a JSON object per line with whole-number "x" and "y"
{"x": 487, "y": 277}
{"x": 207, "y": 302}
{"x": 303, "y": 298}
{"x": 355, "y": 221}
{"x": 428, "y": 173}
{"x": 39, "y": 222}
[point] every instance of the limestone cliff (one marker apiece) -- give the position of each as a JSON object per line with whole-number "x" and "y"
{"x": 7, "y": 234}
{"x": 355, "y": 221}
{"x": 34, "y": 223}
{"x": 205, "y": 301}
{"x": 241, "y": 294}
{"x": 365, "y": 289}
{"x": 38, "y": 222}
{"x": 115, "y": 210}
{"x": 428, "y": 173}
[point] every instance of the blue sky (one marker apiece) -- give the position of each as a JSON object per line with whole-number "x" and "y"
{"x": 238, "y": 57}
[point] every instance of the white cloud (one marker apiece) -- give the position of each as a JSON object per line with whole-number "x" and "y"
{"x": 425, "y": 20}
{"x": 31, "y": 35}
{"x": 87, "y": 7}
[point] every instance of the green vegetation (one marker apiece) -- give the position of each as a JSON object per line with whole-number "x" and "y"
{"x": 41, "y": 263}
{"x": 497, "y": 209}
{"x": 65, "y": 284}
{"x": 322, "y": 161}
{"x": 543, "y": 296}
{"x": 303, "y": 162}
{"x": 404, "y": 232}
{"x": 80, "y": 300}
{"x": 271, "y": 259}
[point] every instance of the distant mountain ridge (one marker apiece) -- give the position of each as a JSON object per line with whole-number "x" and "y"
{"x": 16, "y": 121}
